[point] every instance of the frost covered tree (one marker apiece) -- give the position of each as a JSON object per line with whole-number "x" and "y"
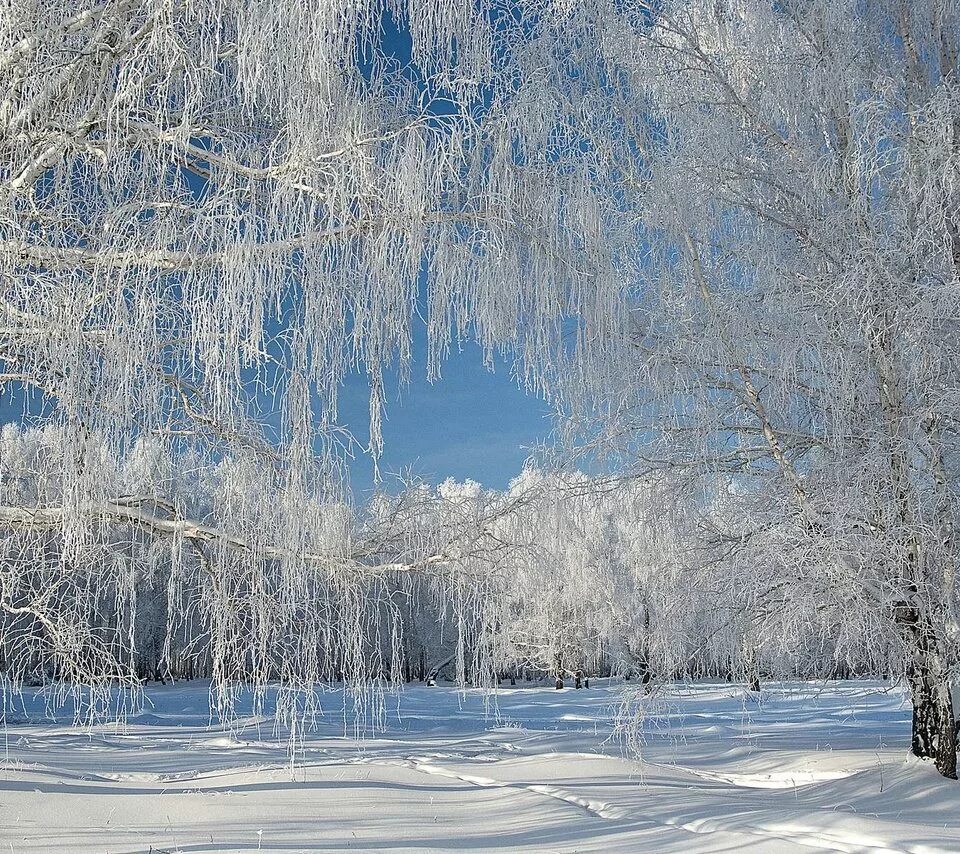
{"x": 209, "y": 212}
{"x": 793, "y": 168}
{"x": 574, "y": 593}
{"x": 136, "y": 604}
{"x": 560, "y": 575}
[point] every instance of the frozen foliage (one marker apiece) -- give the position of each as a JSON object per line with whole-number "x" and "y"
{"x": 571, "y": 575}
{"x": 145, "y": 595}
{"x": 560, "y": 574}
{"x": 793, "y": 347}
{"x": 209, "y": 213}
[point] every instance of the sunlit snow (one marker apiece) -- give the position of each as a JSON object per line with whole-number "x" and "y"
{"x": 808, "y": 767}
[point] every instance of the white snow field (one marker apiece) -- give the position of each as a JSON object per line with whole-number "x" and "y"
{"x": 812, "y": 767}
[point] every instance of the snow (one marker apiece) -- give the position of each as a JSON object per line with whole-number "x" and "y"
{"x": 804, "y": 768}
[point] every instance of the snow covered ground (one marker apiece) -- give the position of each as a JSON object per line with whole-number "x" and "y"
{"x": 810, "y": 768}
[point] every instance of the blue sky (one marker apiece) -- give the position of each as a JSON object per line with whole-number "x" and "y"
{"x": 472, "y": 423}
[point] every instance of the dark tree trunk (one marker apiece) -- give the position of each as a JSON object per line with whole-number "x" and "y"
{"x": 934, "y": 730}
{"x": 934, "y": 734}
{"x": 753, "y": 671}
{"x": 644, "y": 671}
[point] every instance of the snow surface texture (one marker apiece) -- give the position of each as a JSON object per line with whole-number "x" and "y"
{"x": 808, "y": 768}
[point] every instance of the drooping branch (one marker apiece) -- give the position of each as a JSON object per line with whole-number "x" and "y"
{"x": 131, "y": 511}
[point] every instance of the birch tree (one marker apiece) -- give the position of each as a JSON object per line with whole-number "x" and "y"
{"x": 794, "y": 331}
{"x": 209, "y": 213}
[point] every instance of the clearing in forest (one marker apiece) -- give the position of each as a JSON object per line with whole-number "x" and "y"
{"x": 809, "y": 767}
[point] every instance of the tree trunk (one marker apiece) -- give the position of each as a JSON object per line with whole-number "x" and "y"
{"x": 753, "y": 669}
{"x": 934, "y": 730}
{"x": 934, "y": 734}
